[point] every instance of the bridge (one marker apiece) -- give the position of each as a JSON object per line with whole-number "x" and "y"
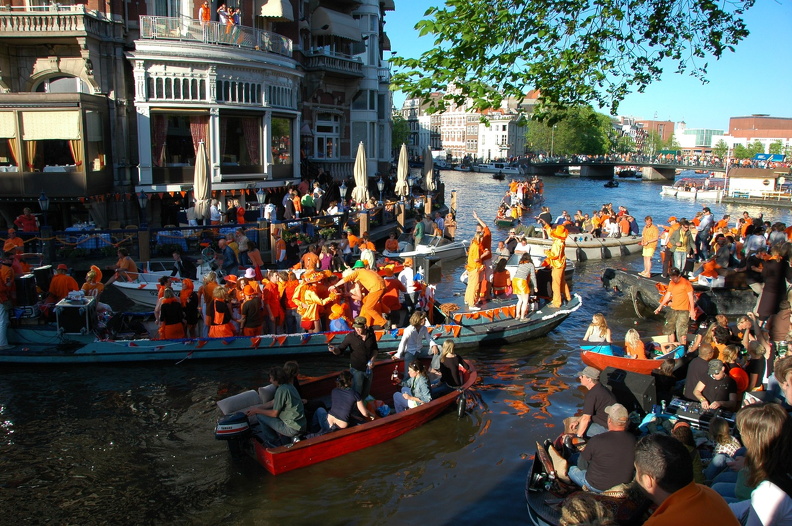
{"x": 652, "y": 170}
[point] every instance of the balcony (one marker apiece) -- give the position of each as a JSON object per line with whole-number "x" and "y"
{"x": 66, "y": 21}
{"x": 189, "y": 30}
{"x": 384, "y": 75}
{"x": 319, "y": 59}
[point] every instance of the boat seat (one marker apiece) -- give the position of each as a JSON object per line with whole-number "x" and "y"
{"x": 239, "y": 402}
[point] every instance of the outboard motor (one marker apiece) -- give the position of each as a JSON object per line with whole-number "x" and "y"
{"x": 232, "y": 426}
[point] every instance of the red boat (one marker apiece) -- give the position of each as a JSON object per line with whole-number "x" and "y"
{"x": 313, "y": 450}
{"x": 611, "y": 355}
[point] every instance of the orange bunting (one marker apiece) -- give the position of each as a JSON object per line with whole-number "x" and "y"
{"x": 200, "y": 343}
{"x": 254, "y": 342}
{"x": 457, "y": 329}
{"x": 127, "y": 196}
{"x": 161, "y": 194}
{"x": 513, "y": 311}
{"x": 488, "y": 314}
{"x": 281, "y": 340}
{"x": 378, "y": 334}
{"x": 142, "y": 286}
{"x": 329, "y": 337}
{"x": 118, "y": 197}
{"x": 183, "y": 193}
{"x": 475, "y": 315}
{"x": 172, "y": 193}
{"x": 82, "y": 200}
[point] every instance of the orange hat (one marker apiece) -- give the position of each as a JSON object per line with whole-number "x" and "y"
{"x": 408, "y": 262}
{"x": 11, "y": 231}
{"x": 387, "y": 271}
{"x": 336, "y": 311}
{"x": 248, "y": 290}
{"x": 63, "y": 266}
{"x": 312, "y": 277}
{"x": 672, "y": 218}
{"x": 231, "y": 278}
{"x": 559, "y": 232}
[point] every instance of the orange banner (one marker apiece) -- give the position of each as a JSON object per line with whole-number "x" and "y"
{"x": 379, "y": 334}
{"x": 254, "y": 342}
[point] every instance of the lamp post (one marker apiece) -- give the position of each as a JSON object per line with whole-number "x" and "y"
{"x": 44, "y": 203}
{"x": 380, "y": 186}
{"x": 143, "y": 202}
{"x": 342, "y": 190}
{"x": 552, "y": 141}
{"x": 261, "y": 196}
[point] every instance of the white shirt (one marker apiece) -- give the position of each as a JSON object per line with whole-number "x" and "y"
{"x": 769, "y": 505}
{"x": 407, "y": 278}
{"x": 412, "y": 341}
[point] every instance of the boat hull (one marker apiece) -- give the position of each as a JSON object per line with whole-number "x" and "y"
{"x": 506, "y": 223}
{"x": 338, "y": 443}
{"x": 669, "y": 191}
{"x": 44, "y": 344}
{"x": 603, "y": 361}
{"x": 734, "y": 300}
{"x": 585, "y": 247}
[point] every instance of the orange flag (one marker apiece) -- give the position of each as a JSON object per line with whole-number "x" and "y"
{"x": 200, "y": 343}
{"x": 379, "y": 334}
{"x": 329, "y": 337}
{"x": 254, "y": 342}
{"x": 457, "y": 328}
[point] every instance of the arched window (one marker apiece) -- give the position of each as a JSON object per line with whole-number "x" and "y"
{"x": 62, "y": 84}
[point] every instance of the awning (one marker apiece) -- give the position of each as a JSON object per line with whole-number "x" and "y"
{"x": 386, "y": 45}
{"x": 327, "y": 22}
{"x": 388, "y": 5}
{"x": 281, "y": 9}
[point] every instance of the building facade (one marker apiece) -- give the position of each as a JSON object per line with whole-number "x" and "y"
{"x": 104, "y": 100}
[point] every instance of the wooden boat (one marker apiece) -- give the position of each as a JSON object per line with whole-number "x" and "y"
{"x": 584, "y": 247}
{"x": 75, "y": 338}
{"x": 354, "y": 438}
{"x": 433, "y": 248}
{"x": 606, "y": 355}
{"x": 733, "y": 299}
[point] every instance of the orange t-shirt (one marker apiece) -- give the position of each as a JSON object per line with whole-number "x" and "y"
{"x": 679, "y": 294}
{"x": 637, "y": 351}
{"x": 368, "y": 279}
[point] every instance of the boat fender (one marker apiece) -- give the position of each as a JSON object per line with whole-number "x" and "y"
{"x": 580, "y": 254}
{"x": 232, "y": 426}
{"x": 461, "y": 404}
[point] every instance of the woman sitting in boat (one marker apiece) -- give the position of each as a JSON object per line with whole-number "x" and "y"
{"x": 171, "y": 316}
{"x": 523, "y": 284}
{"x": 343, "y": 400}
{"x": 633, "y": 346}
{"x": 501, "y": 280}
{"x": 598, "y": 330}
{"x": 450, "y": 376}
{"x": 218, "y": 315}
{"x": 415, "y": 390}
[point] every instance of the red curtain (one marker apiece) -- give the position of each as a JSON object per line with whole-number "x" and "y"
{"x": 251, "y": 129}
{"x": 199, "y": 126}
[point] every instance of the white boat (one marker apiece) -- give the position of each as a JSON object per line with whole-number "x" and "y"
{"x": 463, "y": 168}
{"x": 433, "y": 248}
{"x": 670, "y": 191}
{"x": 144, "y": 290}
{"x": 584, "y": 247}
{"x": 695, "y": 188}
{"x": 492, "y": 168}
{"x": 686, "y": 192}
{"x": 711, "y": 194}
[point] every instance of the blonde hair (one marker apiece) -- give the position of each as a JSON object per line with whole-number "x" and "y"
{"x": 417, "y": 319}
{"x": 632, "y": 337}
{"x": 448, "y": 348}
{"x": 599, "y": 321}
{"x": 729, "y": 354}
{"x": 719, "y": 431}
{"x": 755, "y": 349}
{"x": 210, "y": 276}
{"x": 220, "y": 293}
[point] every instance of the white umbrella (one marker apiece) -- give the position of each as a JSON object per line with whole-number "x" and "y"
{"x": 360, "y": 192}
{"x": 428, "y": 170}
{"x": 402, "y": 171}
{"x": 202, "y": 186}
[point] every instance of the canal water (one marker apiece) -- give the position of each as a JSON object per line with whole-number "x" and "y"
{"x": 133, "y": 444}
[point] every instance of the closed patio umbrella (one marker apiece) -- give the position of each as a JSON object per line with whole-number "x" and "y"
{"x": 202, "y": 186}
{"x": 402, "y": 171}
{"x": 360, "y": 192}
{"x": 428, "y": 170}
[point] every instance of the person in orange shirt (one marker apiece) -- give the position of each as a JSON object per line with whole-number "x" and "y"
{"x": 679, "y": 295}
{"x": 311, "y": 302}
{"x": 125, "y": 268}
{"x": 392, "y": 244}
{"x": 279, "y": 253}
{"x": 501, "y": 280}
{"x": 475, "y": 270}
{"x": 218, "y": 315}
{"x": 297, "y": 203}
{"x": 633, "y": 346}
{"x": 392, "y": 288}
{"x": 372, "y": 308}
{"x": 365, "y": 242}
{"x": 556, "y": 257}
{"x": 310, "y": 260}
{"x": 61, "y": 285}
{"x": 93, "y": 286}
{"x": 13, "y": 243}
{"x": 649, "y": 239}
{"x": 171, "y": 317}
{"x": 723, "y": 223}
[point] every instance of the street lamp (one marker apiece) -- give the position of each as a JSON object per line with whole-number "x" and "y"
{"x": 142, "y": 201}
{"x": 552, "y": 141}
{"x": 261, "y": 196}
{"x": 342, "y": 190}
{"x": 380, "y": 186}
{"x": 44, "y": 203}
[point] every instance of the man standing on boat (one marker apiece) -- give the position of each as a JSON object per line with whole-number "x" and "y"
{"x": 703, "y": 231}
{"x": 649, "y": 239}
{"x": 679, "y": 295}
{"x": 478, "y": 253}
{"x": 556, "y": 257}
{"x": 362, "y": 346}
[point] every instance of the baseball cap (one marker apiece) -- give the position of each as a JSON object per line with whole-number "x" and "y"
{"x": 360, "y": 321}
{"x": 590, "y": 372}
{"x": 672, "y": 218}
{"x": 618, "y": 413}
{"x": 63, "y": 266}
{"x": 714, "y": 367}
{"x": 359, "y": 264}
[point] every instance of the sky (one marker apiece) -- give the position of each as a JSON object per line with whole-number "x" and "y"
{"x": 756, "y": 78}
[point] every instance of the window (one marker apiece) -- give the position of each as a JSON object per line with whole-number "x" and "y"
{"x": 240, "y": 143}
{"x": 166, "y": 8}
{"x": 327, "y": 136}
{"x": 62, "y": 85}
{"x": 282, "y": 141}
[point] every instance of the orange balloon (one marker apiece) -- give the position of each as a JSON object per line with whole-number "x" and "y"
{"x": 740, "y": 378}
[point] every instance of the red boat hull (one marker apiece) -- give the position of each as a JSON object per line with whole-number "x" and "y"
{"x": 601, "y": 361}
{"x": 307, "y": 452}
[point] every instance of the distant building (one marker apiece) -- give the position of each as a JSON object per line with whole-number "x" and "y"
{"x": 696, "y": 141}
{"x": 763, "y": 128}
